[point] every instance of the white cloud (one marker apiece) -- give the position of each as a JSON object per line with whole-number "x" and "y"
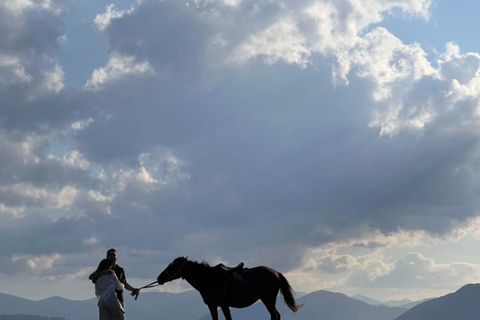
{"x": 19, "y": 6}
{"x": 381, "y": 265}
{"x": 74, "y": 159}
{"x": 164, "y": 165}
{"x": 102, "y": 21}
{"x": 61, "y": 198}
{"x": 158, "y": 169}
{"x": 91, "y": 241}
{"x": 417, "y": 271}
{"x": 281, "y": 41}
{"x": 53, "y": 80}
{"x": 12, "y": 71}
{"x": 99, "y": 197}
{"x": 81, "y": 124}
{"x": 15, "y": 211}
{"x": 118, "y": 67}
{"x": 37, "y": 264}
{"x": 325, "y": 27}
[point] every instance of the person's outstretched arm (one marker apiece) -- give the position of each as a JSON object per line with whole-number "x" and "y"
{"x": 135, "y": 291}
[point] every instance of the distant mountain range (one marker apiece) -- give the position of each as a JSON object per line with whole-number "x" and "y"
{"x": 463, "y": 304}
{"x": 405, "y": 303}
{"x": 26, "y": 317}
{"x": 320, "y": 305}
{"x": 149, "y": 306}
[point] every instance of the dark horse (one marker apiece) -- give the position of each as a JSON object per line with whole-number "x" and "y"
{"x": 237, "y": 287}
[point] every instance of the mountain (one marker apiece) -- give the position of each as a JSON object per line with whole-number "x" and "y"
{"x": 319, "y": 305}
{"x": 414, "y": 303}
{"x": 404, "y": 304}
{"x": 53, "y": 306}
{"x": 26, "y": 317}
{"x": 398, "y": 303}
{"x": 368, "y": 300}
{"x": 460, "y": 305}
{"x": 167, "y": 306}
{"x": 322, "y": 305}
{"x": 149, "y": 306}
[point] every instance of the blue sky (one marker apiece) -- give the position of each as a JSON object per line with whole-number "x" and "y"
{"x": 449, "y": 21}
{"x": 335, "y": 141}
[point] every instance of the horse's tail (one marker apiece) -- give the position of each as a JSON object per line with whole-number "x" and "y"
{"x": 287, "y": 293}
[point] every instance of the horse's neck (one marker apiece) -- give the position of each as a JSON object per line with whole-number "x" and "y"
{"x": 196, "y": 275}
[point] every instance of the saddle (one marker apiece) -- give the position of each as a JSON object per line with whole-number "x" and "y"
{"x": 237, "y": 268}
{"x": 230, "y": 277}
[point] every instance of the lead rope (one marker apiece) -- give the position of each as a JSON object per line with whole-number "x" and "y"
{"x": 150, "y": 285}
{"x": 155, "y": 284}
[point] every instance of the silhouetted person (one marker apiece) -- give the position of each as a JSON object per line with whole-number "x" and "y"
{"x": 109, "y": 307}
{"x": 120, "y": 273}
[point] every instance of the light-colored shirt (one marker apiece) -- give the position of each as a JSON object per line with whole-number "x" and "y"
{"x": 106, "y": 285}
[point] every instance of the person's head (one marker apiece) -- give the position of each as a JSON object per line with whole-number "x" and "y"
{"x": 112, "y": 255}
{"x": 104, "y": 265}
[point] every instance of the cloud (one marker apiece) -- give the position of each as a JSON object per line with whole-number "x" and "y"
{"x": 81, "y": 124}
{"x": 290, "y": 47}
{"x": 384, "y": 266}
{"x": 12, "y": 70}
{"x": 238, "y": 130}
{"x": 102, "y": 21}
{"x": 118, "y": 67}
{"x": 372, "y": 152}
{"x": 38, "y": 264}
{"x": 54, "y": 80}
{"x": 20, "y": 6}
{"x": 417, "y": 271}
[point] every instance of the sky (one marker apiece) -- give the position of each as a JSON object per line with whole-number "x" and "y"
{"x": 336, "y": 141}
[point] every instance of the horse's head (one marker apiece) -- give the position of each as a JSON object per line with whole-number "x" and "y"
{"x": 172, "y": 271}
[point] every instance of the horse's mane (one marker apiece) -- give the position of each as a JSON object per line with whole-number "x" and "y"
{"x": 203, "y": 263}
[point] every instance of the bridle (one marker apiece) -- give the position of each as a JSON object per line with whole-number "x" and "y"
{"x": 172, "y": 277}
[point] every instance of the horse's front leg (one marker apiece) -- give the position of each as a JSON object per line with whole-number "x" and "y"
{"x": 213, "y": 311}
{"x": 226, "y": 312}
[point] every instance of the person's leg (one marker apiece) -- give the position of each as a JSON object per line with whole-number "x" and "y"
{"x": 103, "y": 310}
{"x": 115, "y": 308}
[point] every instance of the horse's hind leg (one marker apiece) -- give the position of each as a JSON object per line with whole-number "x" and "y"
{"x": 226, "y": 312}
{"x": 213, "y": 312}
{"x": 270, "y": 305}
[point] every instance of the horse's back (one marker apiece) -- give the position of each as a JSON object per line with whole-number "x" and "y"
{"x": 266, "y": 272}
{"x": 258, "y": 277}
{"x": 252, "y": 284}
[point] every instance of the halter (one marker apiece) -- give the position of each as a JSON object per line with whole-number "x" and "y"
{"x": 171, "y": 277}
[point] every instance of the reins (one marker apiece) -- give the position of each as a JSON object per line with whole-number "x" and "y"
{"x": 150, "y": 285}
{"x": 170, "y": 277}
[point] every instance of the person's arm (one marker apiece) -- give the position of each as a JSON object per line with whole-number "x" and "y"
{"x": 135, "y": 292}
{"x": 118, "y": 284}
{"x": 95, "y": 275}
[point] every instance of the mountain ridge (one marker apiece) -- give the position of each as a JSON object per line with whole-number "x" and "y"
{"x": 325, "y": 305}
{"x": 459, "y": 305}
